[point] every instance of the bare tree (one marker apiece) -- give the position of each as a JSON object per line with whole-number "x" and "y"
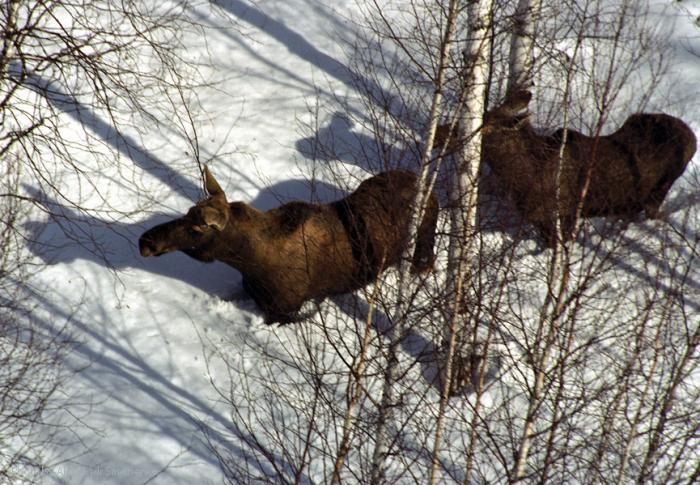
{"x": 76, "y": 85}
{"x": 31, "y": 353}
{"x": 575, "y": 363}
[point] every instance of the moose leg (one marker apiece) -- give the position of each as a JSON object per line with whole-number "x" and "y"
{"x": 266, "y": 302}
{"x": 548, "y": 233}
{"x": 551, "y": 232}
{"x": 652, "y": 210}
{"x": 423, "y": 256}
{"x": 655, "y": 199}
{"x": 282, "y": 318}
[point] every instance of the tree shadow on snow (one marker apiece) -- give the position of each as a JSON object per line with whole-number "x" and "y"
{"x": 69, "y": 235}
{"x": 423, "y": 349}
{"x": 299, "y": 46}
{"x": 120, "y": 142}
{"x": 118, "y": 374}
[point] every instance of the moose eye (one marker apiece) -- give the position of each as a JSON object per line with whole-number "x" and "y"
{"x": 194, "y": 230}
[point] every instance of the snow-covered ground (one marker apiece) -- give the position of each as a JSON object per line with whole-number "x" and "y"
{"x": 148, "y": 411}
{"x": 144, "y": 395}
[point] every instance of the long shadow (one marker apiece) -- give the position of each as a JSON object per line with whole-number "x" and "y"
{"x": 239, "y": 40}
{"x": 302, "y": 48}
{"x": 425, "y": 352}
{"x": 121, "y": 142}
{"x": 294, "y": 41}
{"x": 336, "y": 141}
{"x": 69, "y": 235}
{"x": 412, "y": 342}
{"x": 646, "y": 257}
{"x": 173, "y": 400}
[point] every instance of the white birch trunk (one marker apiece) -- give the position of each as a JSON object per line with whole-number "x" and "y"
{"x": 463, "y": 196}
{"x": 521, "y": 60}
{"x": 354, "y": 392}
{"x": 548, "y": 322}
{"x": 9, "y": 31}
{"x": 553, "y": 305}
{"x": 463, "y": 192}
{"x": 381, "y": 448}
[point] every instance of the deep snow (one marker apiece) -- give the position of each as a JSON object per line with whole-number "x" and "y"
{"x": 144, "y": 390}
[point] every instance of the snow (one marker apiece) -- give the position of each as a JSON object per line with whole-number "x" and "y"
{"x": 147, "y": 407}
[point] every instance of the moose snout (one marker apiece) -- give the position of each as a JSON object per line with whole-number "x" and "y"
{"x": 146, "y": 247}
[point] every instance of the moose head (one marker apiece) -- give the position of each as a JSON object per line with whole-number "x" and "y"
{"x": 198, "y": 229}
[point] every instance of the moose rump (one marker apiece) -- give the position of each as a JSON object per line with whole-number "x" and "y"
{"x": 621, "y": 174}
{"x": 301, "y": 251}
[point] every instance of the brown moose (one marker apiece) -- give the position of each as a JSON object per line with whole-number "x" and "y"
{"x": 301, "y": 251}
{"x": 619, "y": 174}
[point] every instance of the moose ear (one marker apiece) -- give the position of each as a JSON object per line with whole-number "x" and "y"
{"x": 214, "y": 217}
{"x": 211, "y": 185}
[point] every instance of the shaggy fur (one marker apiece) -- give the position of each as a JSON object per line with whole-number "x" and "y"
{"x": 621, "y": 174}
{"x": 301, "y": 251}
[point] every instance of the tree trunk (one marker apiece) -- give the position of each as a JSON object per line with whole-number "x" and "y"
{"x": 381, "y": 449}
{"x": 521, "y": 60}
{"x": 464, "y": 190}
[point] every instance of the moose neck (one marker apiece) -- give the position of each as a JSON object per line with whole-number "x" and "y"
{"x": 240, "y": 244}
{"x": 504, "y": 147}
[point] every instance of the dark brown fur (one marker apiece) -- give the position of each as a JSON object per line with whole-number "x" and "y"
{"x": 619, "y": 174}
{"x": 301, "y": 251}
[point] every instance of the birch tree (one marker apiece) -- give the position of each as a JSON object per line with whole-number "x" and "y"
{"x": 520, "y": 60}
{"x": 76, "y": 83}
{"x": 463, "y": 191}
{"x": 520, "y": 68}
{"x": 418, "y": 209}
{"x": 557, "y": 372}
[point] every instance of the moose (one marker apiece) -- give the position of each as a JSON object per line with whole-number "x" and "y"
{"x": 301, "y": 251}
{"x": 621, "y": 174}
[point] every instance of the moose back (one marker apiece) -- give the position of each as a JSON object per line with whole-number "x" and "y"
{"x": 621, "y": 174}
{"x": 301, "y": 251}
